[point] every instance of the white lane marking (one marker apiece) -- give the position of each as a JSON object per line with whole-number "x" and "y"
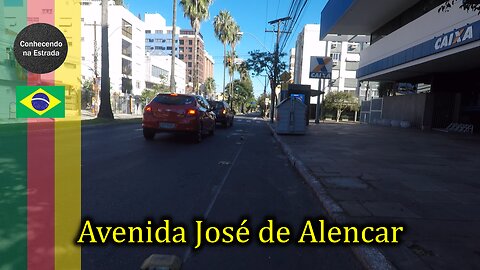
{"x": 138, "y": 129}
{"x": 249, "y": 121}
{"x": 215, "y": 196}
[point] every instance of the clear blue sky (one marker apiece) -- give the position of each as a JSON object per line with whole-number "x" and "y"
{"x": 251, "y": 15}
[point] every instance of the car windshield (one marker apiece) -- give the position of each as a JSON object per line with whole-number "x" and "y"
{"x": 219, "y": 105}
{"x": 174, "y": 100}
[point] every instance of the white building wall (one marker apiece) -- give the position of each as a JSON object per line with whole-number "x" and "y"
{"x": 165, "y": 62}
{"x": 308, "y": 44}
{"x": 92, "y": 14}
{"x": 432, "y": 24}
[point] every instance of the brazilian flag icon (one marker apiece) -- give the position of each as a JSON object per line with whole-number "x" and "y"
{"x": 40, "y": 102}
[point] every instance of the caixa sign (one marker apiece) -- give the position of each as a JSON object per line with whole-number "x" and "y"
{"x": 456, "y": 37}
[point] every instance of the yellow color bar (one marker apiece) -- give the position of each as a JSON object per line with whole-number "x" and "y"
{"x": 68, "y": 141}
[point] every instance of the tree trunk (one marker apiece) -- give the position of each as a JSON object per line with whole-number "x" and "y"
{"x": 195, "y": 64}
{"x": 224, "y": 68}
{"x": 339, "y": 113}
{"x": 105, "y": 110}
{"x": 231, "y": 91}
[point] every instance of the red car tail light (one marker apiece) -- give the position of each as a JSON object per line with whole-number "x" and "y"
{"x": 191, "y": 112}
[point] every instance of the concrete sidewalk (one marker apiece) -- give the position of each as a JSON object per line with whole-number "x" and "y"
{"x": 429, "y": 182}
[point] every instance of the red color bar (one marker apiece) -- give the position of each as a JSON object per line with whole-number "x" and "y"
{"x": 41, "y": 164}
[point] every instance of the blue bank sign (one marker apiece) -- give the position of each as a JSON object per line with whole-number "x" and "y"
{"x": 320, "y": 67}
{"x": 456, "y": 38}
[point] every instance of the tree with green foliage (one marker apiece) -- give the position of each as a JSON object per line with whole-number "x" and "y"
{"x": 264, "y": 63}
{"x": 261, "y": 103}
{"x": 223, "y": 25}
{"x": 385, "y": 89}
{"x": 241, "y": 95}
{"x": 196, "y": 11}
{"x": 340, "y": 102}
{"x": 87, "y": 94}
{"x": 209, "y": 87}
{"x": 468, "y": 5}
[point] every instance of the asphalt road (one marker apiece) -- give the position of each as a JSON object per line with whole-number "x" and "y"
{"x": 240, "y": 173}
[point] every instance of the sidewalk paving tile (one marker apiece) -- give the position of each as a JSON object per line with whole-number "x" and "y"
{"x": 428, "y": 181}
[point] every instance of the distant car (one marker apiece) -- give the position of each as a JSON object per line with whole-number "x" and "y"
{"x": 223, "y": 112}
{"x": 178, "y": 113}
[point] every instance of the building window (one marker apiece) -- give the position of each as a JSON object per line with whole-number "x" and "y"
{"x": 158, "y": 48}
{"x": 335, "y": 56}
{"x": 126, "y": 48}
{"x": 138, "y": 84}
{"x": 190, "y": 42}
{"x": 189, "y": 64}
{"x": 127, "y": 29}
{"x": 126, "y": 67}
{"x": 158, "y": 31}
{"x": 182, "y": 42}
{"x": 189, "y": 57}
{"x": 169, "y": 48}
{"x": 352, "y": 47}
{"x": 126, "y": 85}
{"x": 180, "y": 56}
{"x": 148, "y": 32}
{"x": 158, "y": 40}
{"x": 190, "y": 49}
{"x": 159, "y": 72}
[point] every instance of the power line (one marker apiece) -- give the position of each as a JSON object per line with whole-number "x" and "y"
{"x": 295, "y": 12}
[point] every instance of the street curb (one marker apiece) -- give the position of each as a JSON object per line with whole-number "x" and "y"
{"x": 370, "y": 257}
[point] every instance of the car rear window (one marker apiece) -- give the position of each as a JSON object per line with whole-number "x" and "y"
{"x": 174, "y": 100}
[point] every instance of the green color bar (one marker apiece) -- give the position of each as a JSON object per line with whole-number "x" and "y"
{"x": 13, "y": 143}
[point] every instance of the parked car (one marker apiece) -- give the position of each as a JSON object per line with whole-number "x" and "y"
{"x": 223, "y": 113}
{"x": 178, "y": 113}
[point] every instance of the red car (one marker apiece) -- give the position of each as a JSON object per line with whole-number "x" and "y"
{"x": 178, "y": 113}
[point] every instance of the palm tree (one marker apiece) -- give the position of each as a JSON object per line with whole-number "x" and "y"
{"x": 209, "y": 87}
{"x": 233, "y": 41}
{"x": 223, "y": 26}
{"x": 196, "y": 11}
{"x": 231, "y": 71}
{"x": 105, "y": 110}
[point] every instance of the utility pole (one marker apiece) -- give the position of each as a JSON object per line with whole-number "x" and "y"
{"x": 174, "y": 45}
{"x": 275, "y": 63}
{"x": 265, "y": 97}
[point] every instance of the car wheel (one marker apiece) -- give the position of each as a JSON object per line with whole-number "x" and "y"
{"x": 148, "y": 134}
{"x": 225, "y": 124}
{"x": 231, "y": 122}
